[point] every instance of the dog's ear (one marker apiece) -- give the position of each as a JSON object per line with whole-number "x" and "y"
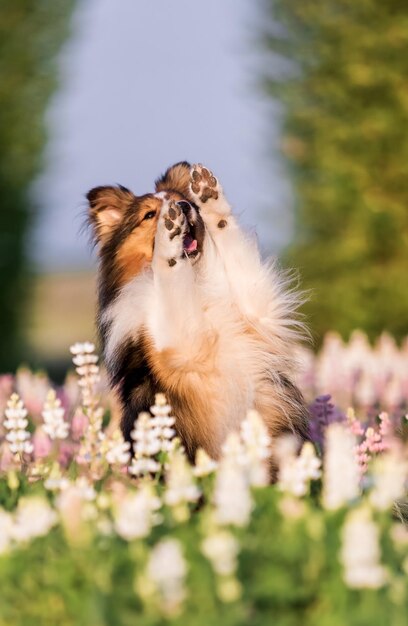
{"x": 176, "y": 178}
{"x": 107, "y": 206}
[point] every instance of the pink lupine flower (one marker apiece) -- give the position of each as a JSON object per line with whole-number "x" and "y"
{"x": 42, "y": 444}
{"x": 66, "y": 452}
{"x": 79, "y": 424}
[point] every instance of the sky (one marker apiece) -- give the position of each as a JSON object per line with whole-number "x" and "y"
{"x": 145, "y": 84}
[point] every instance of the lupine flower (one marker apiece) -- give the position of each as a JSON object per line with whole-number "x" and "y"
{"x": 42, "y": 444}
{"x": 358, "y": 374}
{"x": 232, "y": 498}
{"x": 16, "y": 424}
{"x": 204, "y": 464}
{"x": 74, "y": 503}
{"x": 390, "y": 474}
{"x": 116, "y": 449}
{"x": 53, "y": 414}
{"x": 167, "y": 570}
{"x": 341, "y": 474}
{"x": 360, "y": 553}
{"x": 134, "y": 514}
{"x": 146, "y": 445}
{"x": 375, "y": 440}
{"x": 322, "y": 413}
{"x": 296, "y": 472}
{"x": 181, "y": 487}
{"x": 162, "y": 423}
{"x": 221, "y": 548}
{"x": 85, "y": 360}
{"x": 256, "y": 442}
{"x": 33, "y": 518}
{"x": 32, "y": 388}
{"x": 353, "y": 424}
{"x": 79, "y": 424}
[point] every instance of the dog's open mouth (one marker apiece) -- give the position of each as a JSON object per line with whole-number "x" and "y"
{"x": 190, "y": 243}
{"x": 193, "y": 238}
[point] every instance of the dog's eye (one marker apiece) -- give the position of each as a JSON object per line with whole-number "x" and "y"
{"x": 150, "y": 215}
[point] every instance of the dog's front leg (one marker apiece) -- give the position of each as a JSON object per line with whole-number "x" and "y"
{"x": 176, "y": 322}
{"x": 238, "y": 252}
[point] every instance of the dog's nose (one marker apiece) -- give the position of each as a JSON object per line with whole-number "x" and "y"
{"x": 184, "y": 206}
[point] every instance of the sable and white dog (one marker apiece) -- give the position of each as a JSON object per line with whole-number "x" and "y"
{"x": 187, "y": 307}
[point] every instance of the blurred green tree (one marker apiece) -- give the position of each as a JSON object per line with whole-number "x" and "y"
{"x": 340, "y": 70}
{"x": 30, "y": 36}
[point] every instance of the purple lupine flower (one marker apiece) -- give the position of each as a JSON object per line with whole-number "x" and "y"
{"x": 322, "y": 413}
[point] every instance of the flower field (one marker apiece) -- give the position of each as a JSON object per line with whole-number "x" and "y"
{"x": 94, "y": 533}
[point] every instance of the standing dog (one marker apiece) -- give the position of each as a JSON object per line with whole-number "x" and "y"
{"x": 187, "y": 307}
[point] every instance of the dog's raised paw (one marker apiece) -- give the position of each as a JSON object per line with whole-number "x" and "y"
{"x": 170, "y": 233}
{"x": 203, "y": 184}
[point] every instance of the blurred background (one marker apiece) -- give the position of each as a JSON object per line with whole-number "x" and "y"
{"x": 300, "y": 108}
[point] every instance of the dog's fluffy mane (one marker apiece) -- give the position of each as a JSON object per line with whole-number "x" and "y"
{"x": 215, "y": 330}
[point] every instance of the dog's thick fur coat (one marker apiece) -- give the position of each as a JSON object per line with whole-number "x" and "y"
{"x": 188, "y": 308}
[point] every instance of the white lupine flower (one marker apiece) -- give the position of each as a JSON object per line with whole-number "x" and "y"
{"x": 80, "y": 348}
{"x": 145, "y": 437}
{"x": 162, "y": 423}
{"x": 204, "y": 464}
{"x": 256, "y": 441}
{"x": 117, "y": 449}
{"x": 18, "y": 437}
{"x": 81, "y": 488}
{"x": 181, "y": 487}
{"x": 221, "y": 548}
{"x": 33, "y": 518}
{"x": 167, "y": 570}
{"x": 341, "y": 473}
{"x": 390, "y": 479}
{"x": 232, "y": 498}
{"x": 296, "y": 472}
{"x": 234, "y": 450}
{"x": 143, "y": 466}
{"x": 75, "y": 504}
{"x": 85, "y": 489}
{"x": 6, "y": 527}
{"x": 309, "y": 462}
{"x": 134, "y": 514}
{"x": 146, "y": 445}
{"x": 55, "y": 481}
{"x": 360, "y": 552}
{"x": 87, "y": 369}
{"x": 53, "y": 414}
{"x": 255, "y": 435}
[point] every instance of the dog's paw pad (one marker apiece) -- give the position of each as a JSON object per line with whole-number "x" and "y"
{"x": 174, "y": 219}
{"x": 203, "y": 183}
{"x": 176, "y": 232}
{"x": 172, "y": 213}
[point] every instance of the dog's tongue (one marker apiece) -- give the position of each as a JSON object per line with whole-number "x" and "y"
{"x": 190, "y": 244}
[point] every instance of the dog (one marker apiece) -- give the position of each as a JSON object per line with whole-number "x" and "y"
{"x": 188, "y": 308}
